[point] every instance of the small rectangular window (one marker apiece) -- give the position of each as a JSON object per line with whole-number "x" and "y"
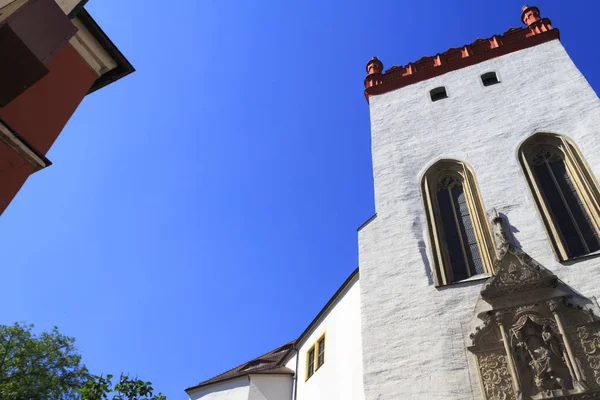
{"x": 310, "y": 362}
{"x": 438, "y": 93}
{"x": 321, "y": 352}
{"x": 489, "y": 78}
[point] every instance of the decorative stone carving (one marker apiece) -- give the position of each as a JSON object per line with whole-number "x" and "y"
{"x": 533, "y": 344}
{"x": 500, "y": 235}
{"x": 486, "y": 335}
{"x": 516, "y": 272}
{"x": 553, "y": 305}
{"x": 448, "y": 182}
{"x": 546, "y": 154}
{"x": 589, "y": 338}
{"x": 540, "y": 356}
{"x": 574, "y": 318}
{"x": 495, "y": 376}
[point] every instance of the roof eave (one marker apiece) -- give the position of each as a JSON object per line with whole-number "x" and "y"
{"x": 354, "y": 275}
{"x": 123, "y": 67}
{"x": 277, "y": 371}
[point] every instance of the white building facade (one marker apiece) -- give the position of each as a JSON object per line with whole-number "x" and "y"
{"x": 479, "y": 273}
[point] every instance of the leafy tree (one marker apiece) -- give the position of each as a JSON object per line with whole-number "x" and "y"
{"x": 48, "y": 367}
{"x": 100, "y": 388}
{"x": 38, "y": 367}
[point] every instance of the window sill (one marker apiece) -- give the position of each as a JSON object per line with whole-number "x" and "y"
{"x": 475, "y": 278}
{"x": 574, "y": 260}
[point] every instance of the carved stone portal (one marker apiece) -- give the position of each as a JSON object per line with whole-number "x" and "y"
{"x": 536, "y": 339}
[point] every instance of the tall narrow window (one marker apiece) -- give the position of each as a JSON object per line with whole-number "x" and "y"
{"x": 315, "y": 356}
{"x": 565, "y": 192}
{"x": 321, "y": 352}
{"x": 459, "y": 232}
{"x": 310, "y": 362}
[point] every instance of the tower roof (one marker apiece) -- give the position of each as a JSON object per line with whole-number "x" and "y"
{"x": 538, "y": 30}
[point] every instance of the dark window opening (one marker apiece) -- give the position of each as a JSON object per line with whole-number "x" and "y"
{"x": 253, "y": 364}
{"x": 438, "y": 93}
{"x": 489, "y": 78}
{"x": 565, "y": 204}
{"x": 311, "y": 363}
{"x": 321, "y": 353}
{"x": 463, "y": 251}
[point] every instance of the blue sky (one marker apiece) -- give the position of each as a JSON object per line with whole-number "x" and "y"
{"x": 201, "y": 211}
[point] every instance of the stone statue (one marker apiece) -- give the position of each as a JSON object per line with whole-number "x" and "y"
{"x": 542, "y": 353}
{"x": 558, "y": 350}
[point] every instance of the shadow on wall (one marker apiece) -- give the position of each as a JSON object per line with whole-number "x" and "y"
{"x": 417, "y": 223}
{"x": 428, "y": 271}
{"x": 509, "y": 230}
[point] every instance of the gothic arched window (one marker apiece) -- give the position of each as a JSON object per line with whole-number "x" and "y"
{"x": 565, "y": 193}
{"x": 459, "y": 232}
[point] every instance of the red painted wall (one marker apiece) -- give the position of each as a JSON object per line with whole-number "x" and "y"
{"x": 40, "y": 114}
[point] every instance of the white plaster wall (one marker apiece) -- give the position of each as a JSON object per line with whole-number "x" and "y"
{"x": 271, "y": 387}
{"x": 340, "y": 378}
{"x": 291, "y": 362}
{"x": 411, "y": 331}
{"x": 237, "y": 389}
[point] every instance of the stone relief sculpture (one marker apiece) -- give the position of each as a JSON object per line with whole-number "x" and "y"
{"x": 540, "y": 357}
{"x": 535, "y": 338}
{"x": 495, "y": 376}
{"x": 589, "y": 339}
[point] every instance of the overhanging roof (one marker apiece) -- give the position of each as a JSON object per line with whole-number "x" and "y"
{"x": 266, "y": 364}
{"x": 123, "y": 67}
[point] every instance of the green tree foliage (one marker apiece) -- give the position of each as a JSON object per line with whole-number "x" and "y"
{"x": 48, "y": 367}
{"x": 38, "y": 367}
{"x": 100, "y": 388}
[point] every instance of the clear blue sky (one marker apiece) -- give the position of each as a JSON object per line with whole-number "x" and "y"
{"x": 202, "y": 211}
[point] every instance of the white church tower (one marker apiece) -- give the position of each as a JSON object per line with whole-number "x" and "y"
{"x": 485, "y": 158}
{"x": 479, "y": 274}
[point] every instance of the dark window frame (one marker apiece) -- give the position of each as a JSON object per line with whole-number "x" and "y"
{"x": 566, "y": 207}
{"x": 438, "y": 93}
{"x": 321, "y": 352}
{"x": 489, "y": 78}
{"x": 457, "y": 226}
{"x": 479, "y": 227}
{"x": 310, "y": 362}
{"x": 579, "y": 188}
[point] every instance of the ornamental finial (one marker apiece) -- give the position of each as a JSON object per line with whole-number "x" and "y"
{"x": 374, "y": 66}
{"x": 530, "y": 15}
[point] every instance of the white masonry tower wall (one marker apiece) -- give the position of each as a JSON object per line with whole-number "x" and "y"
{"x": 412, "y": 331}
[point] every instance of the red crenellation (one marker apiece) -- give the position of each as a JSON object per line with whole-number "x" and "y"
{"x": 538, "y": 30}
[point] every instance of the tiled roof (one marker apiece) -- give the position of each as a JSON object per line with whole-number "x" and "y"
{"x": 268, "y": 363}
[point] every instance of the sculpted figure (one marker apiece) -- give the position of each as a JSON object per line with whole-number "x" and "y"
{"x": 544, "y": 355}
{"x": 558, "y": 350}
